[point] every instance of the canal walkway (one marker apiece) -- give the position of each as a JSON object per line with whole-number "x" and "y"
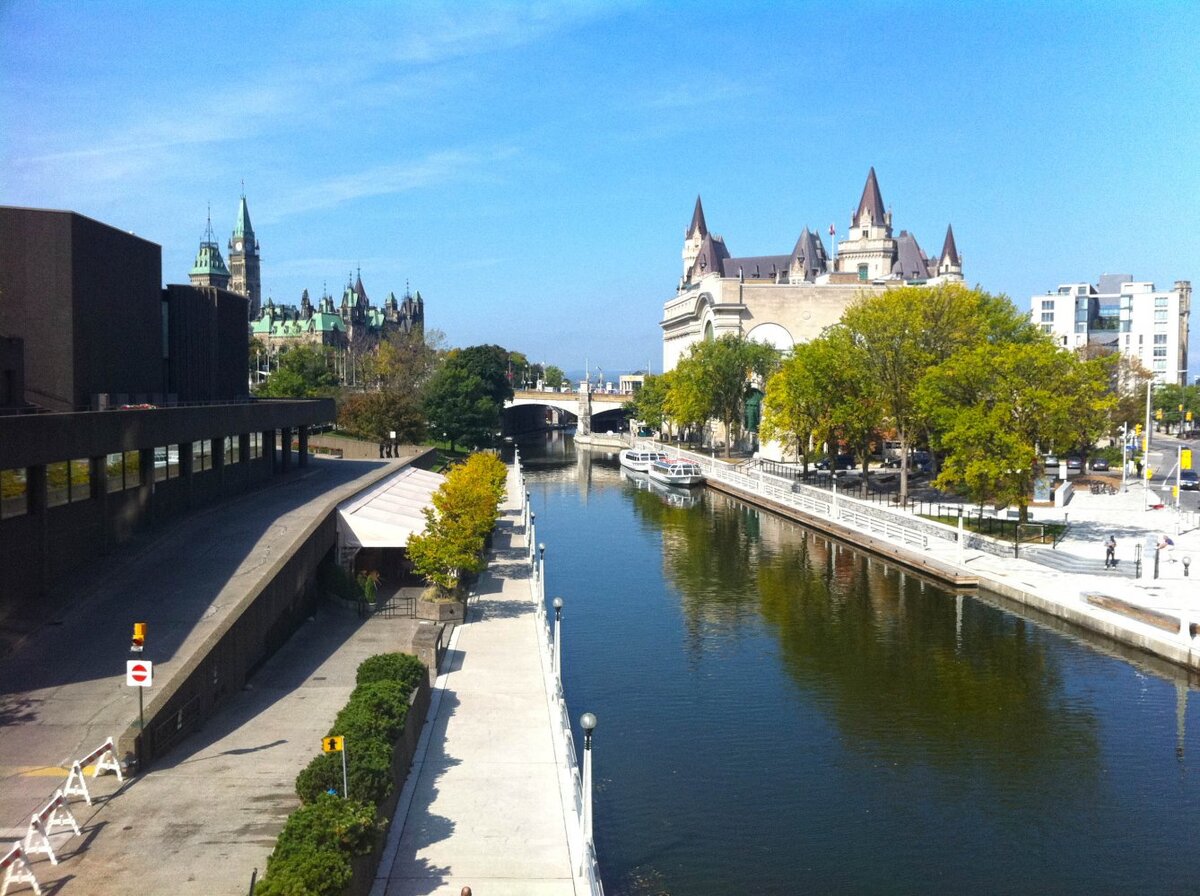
{"x": 492, "y": 800}
{"x": 1155, "y": 612}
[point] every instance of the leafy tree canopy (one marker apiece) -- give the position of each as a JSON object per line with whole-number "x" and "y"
{"x": 304, "y": 372}
{"x": 714, "y": 379}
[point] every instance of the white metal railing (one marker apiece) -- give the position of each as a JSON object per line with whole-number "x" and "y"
{"x": 863, "y": 515}
{"x": 581, "y": 846}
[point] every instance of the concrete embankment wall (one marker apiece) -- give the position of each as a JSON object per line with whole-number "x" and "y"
{"x": 939, "y": 573}
{"x": 265, "y": 616}
{"x": 1115, "y": 628}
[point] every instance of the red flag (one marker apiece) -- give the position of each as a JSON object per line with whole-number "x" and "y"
{"x": 832, "y": 230}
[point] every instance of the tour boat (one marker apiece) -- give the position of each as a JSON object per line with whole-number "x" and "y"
{"x": 672, "y": 471}
{"x": 640, "y": 460}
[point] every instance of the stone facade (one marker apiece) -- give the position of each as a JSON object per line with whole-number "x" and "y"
{"x": 787, "y": 299}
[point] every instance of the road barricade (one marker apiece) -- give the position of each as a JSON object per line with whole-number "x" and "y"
{"x": 17, "y": 870}
{"x": 105, "y": 759}
{"x": 55, "y": 814}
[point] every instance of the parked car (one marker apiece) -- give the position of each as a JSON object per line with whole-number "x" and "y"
{"x": 1099, "y": 464}
{"x": 1074, "y": 463}
{"x": 1189, "y": 479}
{"x": 841, "y": 462}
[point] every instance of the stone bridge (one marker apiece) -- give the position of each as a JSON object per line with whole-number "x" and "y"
{"x": 584, "y": 406}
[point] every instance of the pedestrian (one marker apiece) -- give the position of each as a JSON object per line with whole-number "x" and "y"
{"x": 1110, "y": 552}
{"x": 466, "y": 891}
{"x": 1166, "y": 544}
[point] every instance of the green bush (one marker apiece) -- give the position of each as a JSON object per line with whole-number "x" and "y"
{"x": 368, "y": 772}
{"x": 312, "y": 855}
{"x": 403, "y": 667}
{"x": 376, "y": 709}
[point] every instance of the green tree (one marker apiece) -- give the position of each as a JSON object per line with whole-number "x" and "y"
{"x": 714, "y": 379}
{"x": 459, "y": 406}
{"x": 648, "y": 404}
{"x": 304, "y": 371}
{"x": 375, "y": 415}
{"x": 995, "y": 406}
{"x": 491, "y": 364}
{"x": 553, "y": 377}
{"x": 795, "y": 406}
{"x": 901, "y": 335}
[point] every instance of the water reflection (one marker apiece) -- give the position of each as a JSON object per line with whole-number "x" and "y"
{"x": 782, "y": 714}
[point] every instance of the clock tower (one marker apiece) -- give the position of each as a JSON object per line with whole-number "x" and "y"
{"x": 245, "y": 273}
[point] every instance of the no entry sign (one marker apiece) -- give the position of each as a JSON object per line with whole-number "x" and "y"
{"x": 139, "y": 673}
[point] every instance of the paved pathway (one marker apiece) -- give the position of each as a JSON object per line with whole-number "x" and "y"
{"x": 483, "y": 807}
{"x": 178, "y": 828}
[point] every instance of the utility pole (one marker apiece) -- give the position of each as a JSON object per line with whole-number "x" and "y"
{"x": 1146, "y": 451}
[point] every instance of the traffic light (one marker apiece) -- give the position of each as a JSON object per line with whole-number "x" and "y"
{"x": 1137, "y": 429}
{"x": 1185, "y": 458}
{"x": 1158, "y": 413}
{"x": 139, "y": 637}
{"x": 1188, "y": 416}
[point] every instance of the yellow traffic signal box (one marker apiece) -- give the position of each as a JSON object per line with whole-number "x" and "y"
{"x": 139, "y": 636}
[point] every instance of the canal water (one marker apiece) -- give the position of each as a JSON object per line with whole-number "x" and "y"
{"x": 781, "y": 714}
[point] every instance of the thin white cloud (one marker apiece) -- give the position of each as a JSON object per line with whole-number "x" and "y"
{"x": 384, "y": 180}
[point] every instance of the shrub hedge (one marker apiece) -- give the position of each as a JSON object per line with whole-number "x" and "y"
{"x": 313, "y": 852}
{"x": 403, "y": 667}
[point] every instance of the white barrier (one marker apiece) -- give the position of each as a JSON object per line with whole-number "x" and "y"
{"x": 55, "y": 814}
{"x": 17, "y": 870}
{"x": 105, "y": 759}
{"x": 581, "y": 847}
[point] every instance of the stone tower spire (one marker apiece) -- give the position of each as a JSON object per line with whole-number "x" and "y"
{"x": 209, "y": 268}
{"x": 950, "y": 264}
{"x": 693, "y": 238}
{"x": 244, "y": 262}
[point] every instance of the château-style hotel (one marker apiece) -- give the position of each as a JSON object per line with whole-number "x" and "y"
{"x": 787, "y": 299}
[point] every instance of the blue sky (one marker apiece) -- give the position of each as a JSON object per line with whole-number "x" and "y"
{"x": 531, "y": 167}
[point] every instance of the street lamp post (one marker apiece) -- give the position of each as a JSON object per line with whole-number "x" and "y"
{"x": 558, "y": 604}
{"x": 587, "y": 722}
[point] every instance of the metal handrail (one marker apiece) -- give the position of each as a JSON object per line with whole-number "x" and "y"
{"x": 582, "y": 850}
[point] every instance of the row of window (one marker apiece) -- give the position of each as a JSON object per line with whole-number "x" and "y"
{"x": 70, "y": 481}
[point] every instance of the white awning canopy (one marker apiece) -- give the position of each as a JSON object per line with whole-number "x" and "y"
{"x": 386, "y": 514}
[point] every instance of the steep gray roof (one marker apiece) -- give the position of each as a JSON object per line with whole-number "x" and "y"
{"x": 871, "y": 200}
{"x": 810, "y": 251}
{"x": 757, "y": 267}
{"x": 911, "y": 262}
{"x": 949, "y": 248}
{"x": 697, "y": 221}
{"x": 712, "y": 254}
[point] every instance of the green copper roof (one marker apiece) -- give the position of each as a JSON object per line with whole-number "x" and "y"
{"x": 209, "y": 260}
{"x": 242, "y": 229}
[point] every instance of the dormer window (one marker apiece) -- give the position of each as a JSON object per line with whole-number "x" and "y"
{"x": 864, "y": 236}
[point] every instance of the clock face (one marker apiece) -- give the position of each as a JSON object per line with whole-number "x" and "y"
{"x": 238, "y": 245}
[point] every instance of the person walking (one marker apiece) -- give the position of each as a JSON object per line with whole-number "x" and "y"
{"x": 1110, "y": 552}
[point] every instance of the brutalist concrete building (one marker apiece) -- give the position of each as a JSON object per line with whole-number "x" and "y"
{"x": 122, "y": 403}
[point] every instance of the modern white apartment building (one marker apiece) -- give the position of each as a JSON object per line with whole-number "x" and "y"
{"x": 1122, "y": 314}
